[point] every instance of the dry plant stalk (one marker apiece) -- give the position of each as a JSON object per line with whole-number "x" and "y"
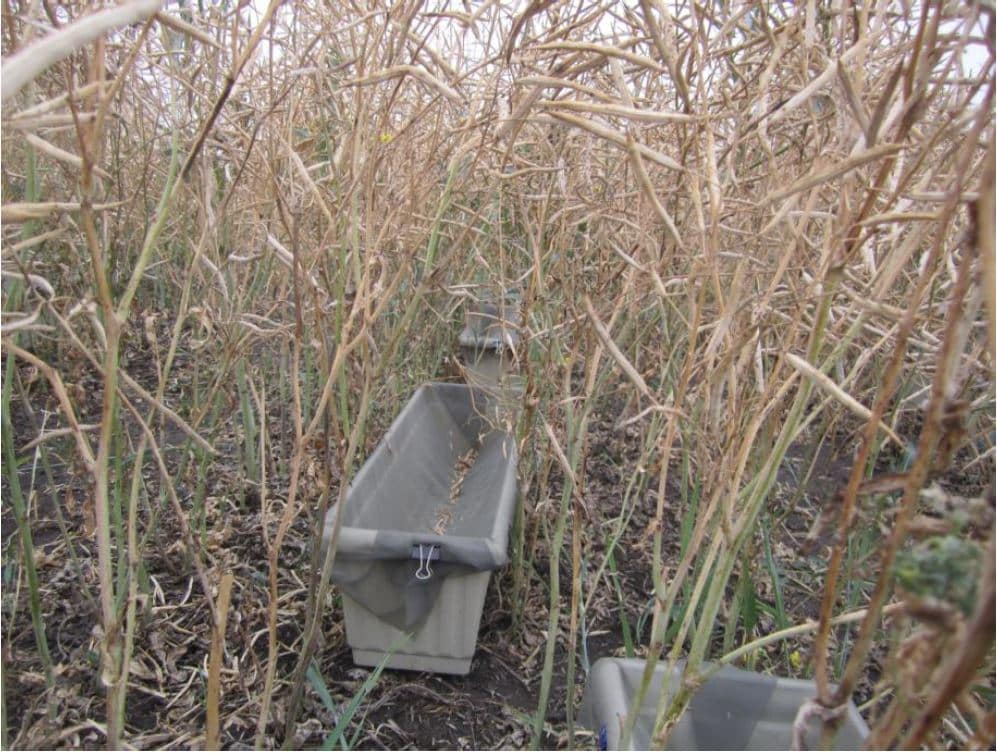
{"x": 211, "y": 741}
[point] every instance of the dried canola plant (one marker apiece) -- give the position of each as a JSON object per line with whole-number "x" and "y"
{"x": 235, "y": 239}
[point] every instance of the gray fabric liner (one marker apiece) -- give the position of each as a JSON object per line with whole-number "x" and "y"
{"x": 393, "y": 503}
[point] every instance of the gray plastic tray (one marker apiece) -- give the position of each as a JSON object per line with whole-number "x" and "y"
{"x": 398, "y": 575}
{"x": 733, "y": 710}
{"x": 490, "y": 326}
{"x": 489, "y": 341}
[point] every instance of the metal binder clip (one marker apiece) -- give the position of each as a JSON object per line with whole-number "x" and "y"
{"x": 427, "y": 553}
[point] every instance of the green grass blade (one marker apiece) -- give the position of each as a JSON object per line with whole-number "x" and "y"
{"x": 628, "y": 641}
{"x": 336, "y": 736}
{"x": 23, "y": 527}
{"x": 318, "y": 685}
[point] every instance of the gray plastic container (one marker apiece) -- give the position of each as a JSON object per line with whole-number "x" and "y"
{"x": 489, "y": 341}
{"x": 490, "y": 326}
{"x": 732, "y": 710}
{"x": 399, "y": 576}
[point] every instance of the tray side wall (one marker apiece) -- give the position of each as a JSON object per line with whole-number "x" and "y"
{"x": 445, "y": 643}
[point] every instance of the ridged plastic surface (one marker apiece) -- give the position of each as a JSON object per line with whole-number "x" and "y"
{"x": 732, "y": 710}
{"x": 445, "y": 643}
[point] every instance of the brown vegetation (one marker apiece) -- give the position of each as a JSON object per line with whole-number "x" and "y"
{"x": 754, "y": 245}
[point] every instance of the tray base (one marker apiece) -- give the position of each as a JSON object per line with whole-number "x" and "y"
{"x": 416, "y": 662}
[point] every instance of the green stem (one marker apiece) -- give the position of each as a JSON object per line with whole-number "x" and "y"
{"x": 403, "y": 327}
{"x": 162, "y": 212}
{"x": 755, "y": 493}
{"x": 555, "y": 613}
{"x": 23, "y": 528}
{"x": 248, "y": 424}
